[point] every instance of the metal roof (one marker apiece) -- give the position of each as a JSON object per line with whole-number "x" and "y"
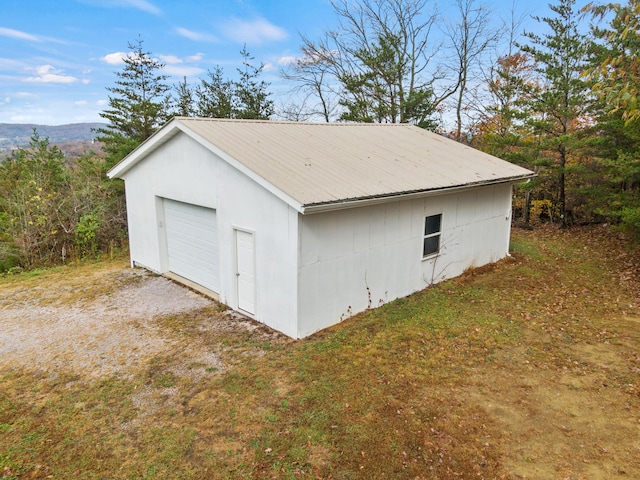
{"x": 327, "y": 163}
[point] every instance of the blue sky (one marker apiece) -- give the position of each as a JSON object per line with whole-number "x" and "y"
{"x": 58, "y": 56}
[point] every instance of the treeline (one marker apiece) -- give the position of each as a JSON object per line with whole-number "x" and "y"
{"x": 53, "y": 209}
{"x": 562, "y": 101}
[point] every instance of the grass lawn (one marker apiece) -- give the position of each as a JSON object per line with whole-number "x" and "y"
{"x": 529, "y": 368}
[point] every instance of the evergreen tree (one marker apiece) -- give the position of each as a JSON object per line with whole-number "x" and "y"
{"x": 377, "y": 91}
{"x": 184, "y": 102}
{"x": 251, "y": 94}
{"x": 138, "y": 104}
{"x": 215, "y": 96}
{"x": 220, "y": 97}
{"x": 560, "y": 101}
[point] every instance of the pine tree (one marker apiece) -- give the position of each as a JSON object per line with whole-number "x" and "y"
{"x": 215, "y": 96}
{"x": 561, "y": 99}
{"x": 138, "y": 104}
{"x": 184, "y": 101}
{"x": 251, "y": 94}
{"x": 220, "y": 97}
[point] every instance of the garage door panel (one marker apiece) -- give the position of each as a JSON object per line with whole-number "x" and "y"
{"x": 192, "y": 242}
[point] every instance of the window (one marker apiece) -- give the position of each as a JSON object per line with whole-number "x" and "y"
{"x": 432, "y": 231}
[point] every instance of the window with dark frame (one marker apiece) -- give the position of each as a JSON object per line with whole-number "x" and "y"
{"x": 432, "y": 232}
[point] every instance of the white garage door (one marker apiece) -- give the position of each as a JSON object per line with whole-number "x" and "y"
{"x": 192, "y": 242}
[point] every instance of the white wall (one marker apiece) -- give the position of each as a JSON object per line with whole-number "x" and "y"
{"x": 183, "y": 170}
{"x": 351, "y": 260}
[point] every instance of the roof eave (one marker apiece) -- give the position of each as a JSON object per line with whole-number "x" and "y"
{"x": 369, "y": 201}
{"x": 172, "y": 128}
{"x": 160, "y": 137}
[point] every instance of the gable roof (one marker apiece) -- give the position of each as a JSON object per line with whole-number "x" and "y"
{"x": 315, "y": 166}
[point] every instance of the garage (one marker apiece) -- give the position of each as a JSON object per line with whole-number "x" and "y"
{"x": 192, "y": 242}
{"x": 310, "y": 223}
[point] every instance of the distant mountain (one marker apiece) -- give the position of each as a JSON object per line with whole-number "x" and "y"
{"x": 15, "y": 135}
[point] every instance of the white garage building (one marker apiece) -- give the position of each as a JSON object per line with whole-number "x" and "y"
{"x": 302, "y": 225}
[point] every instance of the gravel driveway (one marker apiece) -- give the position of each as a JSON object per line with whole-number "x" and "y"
{"x": 58, "y": 325}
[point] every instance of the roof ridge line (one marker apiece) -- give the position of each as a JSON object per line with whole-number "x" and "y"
{"x": 291, "y": 122}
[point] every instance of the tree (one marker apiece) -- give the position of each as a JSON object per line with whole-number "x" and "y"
{"x": 33, "y": 184}
{"x": 53, "y": 208}
{"x": 615, "y": 139}
{"x": 251, "y": 94}
{"x": 215, "y": 96}
{"x": 471, "y": 37}
{"x": 503, "y": 125}
{"x": 617, "y": 73}
{"x": 380, "y": 61}
{"x": 559, "y": 103}
{"x": 219, "y": 97}
{"x": 508, "y": 82}
{"x": 311, "y": 74}
{"x": 504, "y": 129}
{"x": 376, "y": 93}
{"x": 138, "y": 105}
{"x": 184, "y": 102}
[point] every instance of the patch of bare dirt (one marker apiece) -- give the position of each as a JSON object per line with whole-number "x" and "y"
{"x": 568, "y": 415}
{"x": 56, "y": 327}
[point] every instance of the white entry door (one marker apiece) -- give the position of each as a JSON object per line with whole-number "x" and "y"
{"x": 192, "y": 242}
{"x": 246, "y": 271}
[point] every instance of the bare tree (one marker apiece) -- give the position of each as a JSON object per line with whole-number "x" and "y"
{"x": 471, "y": 38}
{"x": 312, "y": 76}
{"x": 380, "y": 59}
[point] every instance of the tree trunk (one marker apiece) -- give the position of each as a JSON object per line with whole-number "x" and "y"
{"x": 562, "y": 200}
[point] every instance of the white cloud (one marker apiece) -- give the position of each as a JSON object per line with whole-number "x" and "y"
{"x": 170, "y": 59}
{"x": 143, "y": 5}
{"x": 287, "y": 60}
{"x": 253, "y": 32}
{"x": 80, "y": 102}
{"x": 18, "y": 35}
{"x": 115, "y": 58}
{"x": 195, "y": 58}
{"x": 11, "y": 64}
{"x": 48, "y": 74}
{"x": 196, "y": 36}
{"x": 101, "y": 103}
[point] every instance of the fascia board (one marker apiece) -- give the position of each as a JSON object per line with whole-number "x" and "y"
{"x": 144, "y": 149}
{"x": 365, "y": 202}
